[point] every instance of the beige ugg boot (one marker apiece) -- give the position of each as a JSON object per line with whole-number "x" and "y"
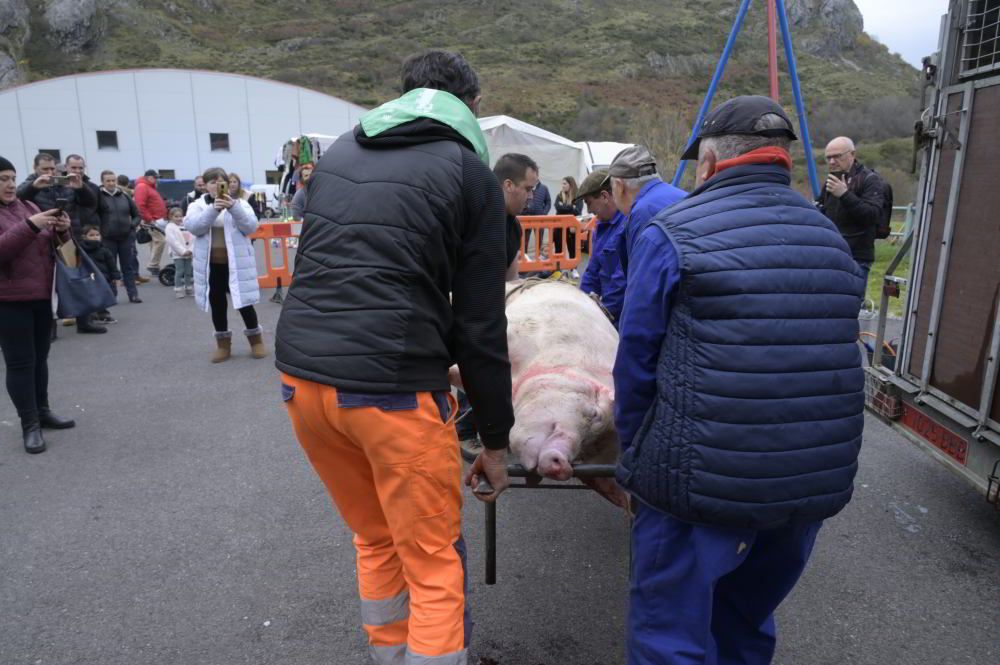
{"x": 223, "y": 346}
{"x": 256, "y": 339}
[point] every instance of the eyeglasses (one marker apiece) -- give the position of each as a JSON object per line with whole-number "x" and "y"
{"x": 833, "y": 158}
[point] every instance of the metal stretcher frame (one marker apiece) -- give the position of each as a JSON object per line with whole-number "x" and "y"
{"x": 532, "y": 481}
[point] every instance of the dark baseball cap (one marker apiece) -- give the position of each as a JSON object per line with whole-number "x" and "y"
{"x": 740, "y": 115}
{"x": 593, "y": 184}
{"x": 633, "y": 162}
{"x": 151, "y": 172}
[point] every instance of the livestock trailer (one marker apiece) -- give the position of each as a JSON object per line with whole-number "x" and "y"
{"x": 939, "y": 387}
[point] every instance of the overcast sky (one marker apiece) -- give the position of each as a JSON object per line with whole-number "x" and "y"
{"x": 907, "y": 27}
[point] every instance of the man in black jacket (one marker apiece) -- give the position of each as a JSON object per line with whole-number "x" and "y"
{"x": 119, "y": 219}
{"x": 45, "y": 190}
{"x": 195, "y": 194}
{"x": 400, "y": 274}
{"x": 852, "y": 199}
{"x": 75, "y": 165}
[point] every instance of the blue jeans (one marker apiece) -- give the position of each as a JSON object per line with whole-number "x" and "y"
{"x": 703, "y": 595}
{"x": 183, "y": 273}
{"x": 866, "y": 267}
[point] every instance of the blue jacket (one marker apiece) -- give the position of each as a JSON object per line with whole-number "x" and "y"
{"x": 540, "y": 203}
{"x": 757, "y": 416}
{"x": 652, "y": 198}
{"x": 603, "y": 265}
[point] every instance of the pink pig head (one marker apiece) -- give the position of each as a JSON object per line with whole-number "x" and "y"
{"x": 558, "y": 420}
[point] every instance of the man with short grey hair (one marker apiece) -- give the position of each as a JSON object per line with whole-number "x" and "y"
{"x": 739, "y": 395}
{"x": 639, "y": 194}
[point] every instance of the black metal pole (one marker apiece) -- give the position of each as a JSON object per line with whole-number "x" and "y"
{"x": 491, "y": 543}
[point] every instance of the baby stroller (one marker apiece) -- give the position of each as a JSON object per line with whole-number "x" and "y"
{"x": 166, "y": 275}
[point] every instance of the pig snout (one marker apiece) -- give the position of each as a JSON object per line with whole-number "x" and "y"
{"x": 553, "y": 463}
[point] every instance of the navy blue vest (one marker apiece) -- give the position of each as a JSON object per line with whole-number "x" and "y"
{"x": 760, "y": 391}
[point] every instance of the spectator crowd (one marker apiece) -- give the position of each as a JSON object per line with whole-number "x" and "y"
{"x": 57, "y": 214}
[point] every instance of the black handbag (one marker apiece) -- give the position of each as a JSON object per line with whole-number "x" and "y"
{"x": 142, "y": 235}
{"x": 81, "y": 290}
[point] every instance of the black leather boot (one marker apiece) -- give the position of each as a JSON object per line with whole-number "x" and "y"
{"x": 33, "y": 441}
{"x": 85, "y": 324}
{"x": 49, "y": 420}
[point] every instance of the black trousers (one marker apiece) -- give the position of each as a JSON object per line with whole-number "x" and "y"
{"x": 218, "y": 289}
{"x": 25, "y": 328}
{"x": 557, "y": 240}
{"x": 123, "y": 250}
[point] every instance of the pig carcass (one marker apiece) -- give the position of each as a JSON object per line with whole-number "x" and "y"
{"x": 562, "y": 349}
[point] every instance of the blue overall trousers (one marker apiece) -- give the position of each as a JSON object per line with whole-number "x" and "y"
{"x": 703, "y": 595}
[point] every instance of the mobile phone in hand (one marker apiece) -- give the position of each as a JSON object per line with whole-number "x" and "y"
{"x": 61, "y": 204}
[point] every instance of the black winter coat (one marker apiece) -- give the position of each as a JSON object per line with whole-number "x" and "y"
{"x": 103, "y": 258}
{"x": 575, "y": 209}
{"x": 118, "y": 215}
{"x": 856, "y": 213}
{"x": 45, "y": 199}
{"x": 400, "y": 273}
{"x": 88, "y": 213}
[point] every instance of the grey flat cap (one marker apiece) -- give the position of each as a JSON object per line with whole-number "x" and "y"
{"x": 633, "y": 162}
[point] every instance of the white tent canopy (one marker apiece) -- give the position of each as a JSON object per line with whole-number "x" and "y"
{"x": 557, "y": 156}
{"x": 599, "y": 154}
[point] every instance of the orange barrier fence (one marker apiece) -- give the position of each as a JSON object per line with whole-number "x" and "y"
{"x": 537, "y": 239}
{"x": 587, "y": 233}
{"x": 276, "y": 237}
{"x": 538, "y": 235}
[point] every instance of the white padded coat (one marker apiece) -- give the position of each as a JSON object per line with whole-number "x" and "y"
{"x": 238, "y": 222}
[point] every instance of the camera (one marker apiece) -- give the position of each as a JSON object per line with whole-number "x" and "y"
{"x": 60, "y": 180}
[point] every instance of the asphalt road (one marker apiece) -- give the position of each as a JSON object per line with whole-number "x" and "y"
{"x": 180, "y": 524}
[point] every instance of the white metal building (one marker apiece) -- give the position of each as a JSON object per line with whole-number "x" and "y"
{"x": 178, "y": 122}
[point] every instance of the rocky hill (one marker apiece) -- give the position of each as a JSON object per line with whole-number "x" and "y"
{"x": 604, "y": 69}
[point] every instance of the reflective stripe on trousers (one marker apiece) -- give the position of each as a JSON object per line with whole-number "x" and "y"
{"x": 391, "y": 464}
{"x": 400, "y": 655}
{"x": 384, "y": 612}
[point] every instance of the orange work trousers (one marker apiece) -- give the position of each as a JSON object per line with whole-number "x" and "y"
{"x": 391, "y": 464}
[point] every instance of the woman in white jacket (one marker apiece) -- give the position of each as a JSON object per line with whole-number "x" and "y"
{"x": 224, "y": 263}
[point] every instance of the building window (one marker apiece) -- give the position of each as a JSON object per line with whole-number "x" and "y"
{"x": 272, "y": 177}
{"x": 167, "y": 174}
{"x": 981, "y": 48}
{"x": 219, "y": 142}
{"x": 56, "y": 154}
{"x": 107, "y": 140}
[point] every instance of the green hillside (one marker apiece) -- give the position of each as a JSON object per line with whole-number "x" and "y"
{"x": 598, "y": 69}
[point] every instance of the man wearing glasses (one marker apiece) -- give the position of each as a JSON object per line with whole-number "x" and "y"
{"x": 852, "y": 199}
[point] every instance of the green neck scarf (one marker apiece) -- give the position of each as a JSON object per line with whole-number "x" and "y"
{"x": 438, "y": 105}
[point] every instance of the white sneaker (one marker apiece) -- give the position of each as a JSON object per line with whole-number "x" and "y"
{"x": 178, "y": 293}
